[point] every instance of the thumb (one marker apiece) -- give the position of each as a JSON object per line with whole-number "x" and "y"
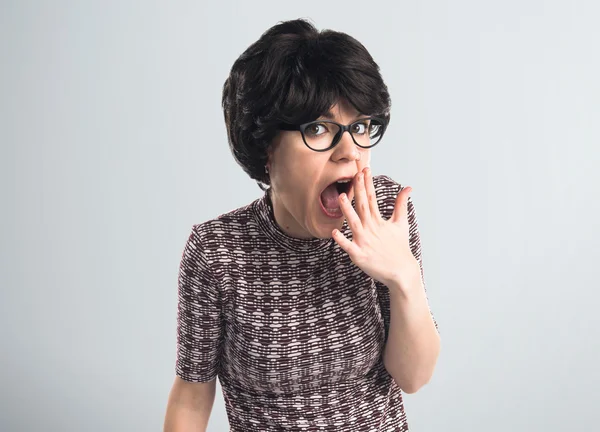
{"x": 401, "y": 205}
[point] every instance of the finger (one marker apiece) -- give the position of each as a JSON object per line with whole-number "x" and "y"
{"x": 354, "y": 222}
{"x": 349, "y": 246}
{"x": 371, "y": 195}
{"x": 360, "y": 199}
{"x": 401, "y": 205}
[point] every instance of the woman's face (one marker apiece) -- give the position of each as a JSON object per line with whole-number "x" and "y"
{"x": 299, "y": 175}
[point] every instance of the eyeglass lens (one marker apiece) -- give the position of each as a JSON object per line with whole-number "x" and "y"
{"x": 321, "y": 135}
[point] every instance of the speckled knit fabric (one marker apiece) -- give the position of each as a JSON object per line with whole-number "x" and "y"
{"x": 293, "y": 329}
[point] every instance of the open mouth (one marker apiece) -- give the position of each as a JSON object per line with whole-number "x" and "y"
{"x": 343, "y": 187}
{"x": 330, "y": 196}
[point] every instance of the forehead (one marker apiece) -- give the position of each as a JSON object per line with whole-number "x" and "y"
{"x": 339, "y": 109}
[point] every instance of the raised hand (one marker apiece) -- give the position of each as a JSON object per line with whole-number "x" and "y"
{"x": 380, "y": 248}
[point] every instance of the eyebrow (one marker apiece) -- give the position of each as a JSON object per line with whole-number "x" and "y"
{"x": 329, "y": 115}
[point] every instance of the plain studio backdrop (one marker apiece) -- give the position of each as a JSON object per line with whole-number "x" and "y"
{"x": 113, "y": 145}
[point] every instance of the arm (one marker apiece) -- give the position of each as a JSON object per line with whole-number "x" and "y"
{"x": 199, "y": 340}
{"x": 412, "y": 336}
{"x": 189, "y": 406}
{"x": 413, "y": 345}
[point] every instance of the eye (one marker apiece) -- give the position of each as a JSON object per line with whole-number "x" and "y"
{"x": 314, "y": 129}
{"x": 360, "y": 127}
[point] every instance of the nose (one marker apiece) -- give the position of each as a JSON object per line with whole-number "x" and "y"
{"x": 346, "y": 148}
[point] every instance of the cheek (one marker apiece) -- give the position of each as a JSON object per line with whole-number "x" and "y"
{"x": 365, "y": 159}
{"x": 298, "y": 184}
{"x": 302, "y": 175}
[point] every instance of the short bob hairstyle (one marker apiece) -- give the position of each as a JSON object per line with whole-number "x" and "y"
{"x": 294, "y": 74}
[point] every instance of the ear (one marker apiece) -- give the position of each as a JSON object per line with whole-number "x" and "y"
{"x": 269, "y": 157}
{"x": 270, "y": 151}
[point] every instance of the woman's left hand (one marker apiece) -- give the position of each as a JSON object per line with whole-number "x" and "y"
{"x": 380, "y": 248}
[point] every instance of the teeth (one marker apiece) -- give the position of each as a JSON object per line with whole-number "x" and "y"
{"x": 343, "y": 181}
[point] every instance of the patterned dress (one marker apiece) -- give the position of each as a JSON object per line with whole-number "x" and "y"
{"x": 293, "y": 330}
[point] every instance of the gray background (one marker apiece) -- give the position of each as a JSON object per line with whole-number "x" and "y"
{"x": 113, "y": 145}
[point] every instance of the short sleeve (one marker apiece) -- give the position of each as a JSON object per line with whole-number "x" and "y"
{"x": 199, "y": 319}
{"x": 387, "y": 191}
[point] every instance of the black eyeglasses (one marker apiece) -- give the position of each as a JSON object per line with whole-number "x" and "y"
{"x": 323, "y": 135}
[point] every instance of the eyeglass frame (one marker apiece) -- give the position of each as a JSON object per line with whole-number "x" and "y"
{"x": 343, "y": 128}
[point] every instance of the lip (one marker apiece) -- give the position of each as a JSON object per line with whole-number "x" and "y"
{"x": 344, "y": 178}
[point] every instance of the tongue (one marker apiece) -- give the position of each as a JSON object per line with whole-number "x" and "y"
{"x": 329, "y": 197}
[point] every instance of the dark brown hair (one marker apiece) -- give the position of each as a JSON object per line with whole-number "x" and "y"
{"x": 293, "y": 74}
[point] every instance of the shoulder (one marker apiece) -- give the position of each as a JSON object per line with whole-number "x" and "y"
{"x": 386, "y": 190}
{"x": 232, "y": 226}
{"x": 384, "y": 185}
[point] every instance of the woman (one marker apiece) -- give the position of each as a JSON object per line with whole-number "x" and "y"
{"x": 309, "y": 303}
